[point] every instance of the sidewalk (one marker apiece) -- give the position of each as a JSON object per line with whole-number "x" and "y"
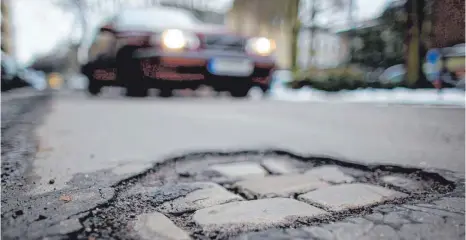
{"x": 452, "y": 97}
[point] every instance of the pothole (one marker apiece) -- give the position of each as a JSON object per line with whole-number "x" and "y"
{"x": 221, "y": 195}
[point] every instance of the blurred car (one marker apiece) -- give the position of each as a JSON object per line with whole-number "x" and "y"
{"x": 35, "y": 79}
{"x": 168, "y": 48}
{"x": 11, "y": 73}
{"x": 396, "y": 74}
{"x": 393, "y": 74}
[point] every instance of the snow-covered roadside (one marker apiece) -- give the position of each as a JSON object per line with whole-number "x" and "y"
{"x": 399, "y": 96}
{"x": 455, "y": 97}
{"x": 278, "y": 91}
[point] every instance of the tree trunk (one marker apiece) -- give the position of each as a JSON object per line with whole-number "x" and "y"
{"x": 295, "y": 25}
{"x": 416, "y": 44}
{"x": 312, "y": 34}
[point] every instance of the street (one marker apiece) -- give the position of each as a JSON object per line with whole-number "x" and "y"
{"x": 87, "y": 142}
{"x": 87, "y": 135}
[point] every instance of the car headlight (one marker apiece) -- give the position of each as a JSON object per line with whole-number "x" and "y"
{"x": 261, "y": 46}
{"x": 174, "y": 39}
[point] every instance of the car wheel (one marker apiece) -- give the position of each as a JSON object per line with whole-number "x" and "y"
{"x": 266, "y": 90}
{"x": 165, "y": 92}
{"x": 240, "y": 91}
{"x": 5, "y": 86}
{"x": 93, "y": 88}
{"x": 130, "y": 73}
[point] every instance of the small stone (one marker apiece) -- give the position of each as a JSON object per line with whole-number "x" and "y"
{"x": 65, "y": 198}
{"x": 51, "y": 181}
{"x": 350, "y": 196}
{"x": 41, "y": 217}
{"x": 157, "y": 226}
{"x": 279, "y": 186}
{"x": 239, "y": 170}
{"x": 331, "y": 174}
{"x": 203, "y": 194}
{"x": 88, "y": 229}
{"x": 255, "y": 214}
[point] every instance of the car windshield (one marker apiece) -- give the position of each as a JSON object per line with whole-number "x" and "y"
{"x": 155, "y": 18}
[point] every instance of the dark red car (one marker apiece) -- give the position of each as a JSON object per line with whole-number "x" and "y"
{"x": 168, "y": 48}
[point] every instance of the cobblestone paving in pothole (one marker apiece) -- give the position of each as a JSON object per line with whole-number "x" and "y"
{"x": 278, "y": 197}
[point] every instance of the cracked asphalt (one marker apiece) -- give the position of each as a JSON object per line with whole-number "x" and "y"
{"x": 78, "y": 167}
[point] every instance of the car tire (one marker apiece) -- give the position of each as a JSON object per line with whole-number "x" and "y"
{"x": 93, "y": 88}
{"x": 165, "y": 92}
{"x": 130, "y": 73}
{"x": 266, "y": 90}
{"x": 240, "y": 91}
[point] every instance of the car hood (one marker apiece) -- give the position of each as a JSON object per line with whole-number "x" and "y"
{"x": 210, "y": 28}
{"x": 198, "y": 28}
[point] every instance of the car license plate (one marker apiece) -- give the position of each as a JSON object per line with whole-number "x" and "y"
{"x": 231, "y": 67}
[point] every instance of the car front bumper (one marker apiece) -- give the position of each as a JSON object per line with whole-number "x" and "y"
{"x": 193, "y": 65}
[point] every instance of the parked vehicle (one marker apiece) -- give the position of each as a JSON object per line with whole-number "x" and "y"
{"x": 10, "y": 74}
{"x": 16, "y": 76}
{"x": 168, "y": 48}
{"x": 33, "y": 78}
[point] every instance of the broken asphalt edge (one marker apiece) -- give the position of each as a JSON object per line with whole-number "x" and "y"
{"x": 432, "y": 174}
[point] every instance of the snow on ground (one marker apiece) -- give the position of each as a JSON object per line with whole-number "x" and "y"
{"x": 279, "y": 92}
{"x": 398, "y": 96}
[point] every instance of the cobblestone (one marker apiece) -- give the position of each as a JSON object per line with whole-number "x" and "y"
{"x": 400, "y": 224}
{"x": 203, "y": 194}
{"x": 404, "y": 183}
{"x": 239, "y": 170}
{"x": 282, "y": 166}
{"x": 330, "y": 174}
{"x": 255, "y": 214}
{"x": 279, "y": 186}
{"x": 355, "y": 195}
{"x": 214, "y": 199}
{"x": 157, "y": 226}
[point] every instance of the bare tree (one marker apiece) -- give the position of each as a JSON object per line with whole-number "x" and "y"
{"x": 310, "y": 13}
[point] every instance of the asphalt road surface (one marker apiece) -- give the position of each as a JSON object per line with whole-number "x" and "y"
{"x": 84, "y": 135}
{"x": 67, "y": 154}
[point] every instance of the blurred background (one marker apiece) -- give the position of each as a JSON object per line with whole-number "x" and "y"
{"x": 323, "y": 46}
